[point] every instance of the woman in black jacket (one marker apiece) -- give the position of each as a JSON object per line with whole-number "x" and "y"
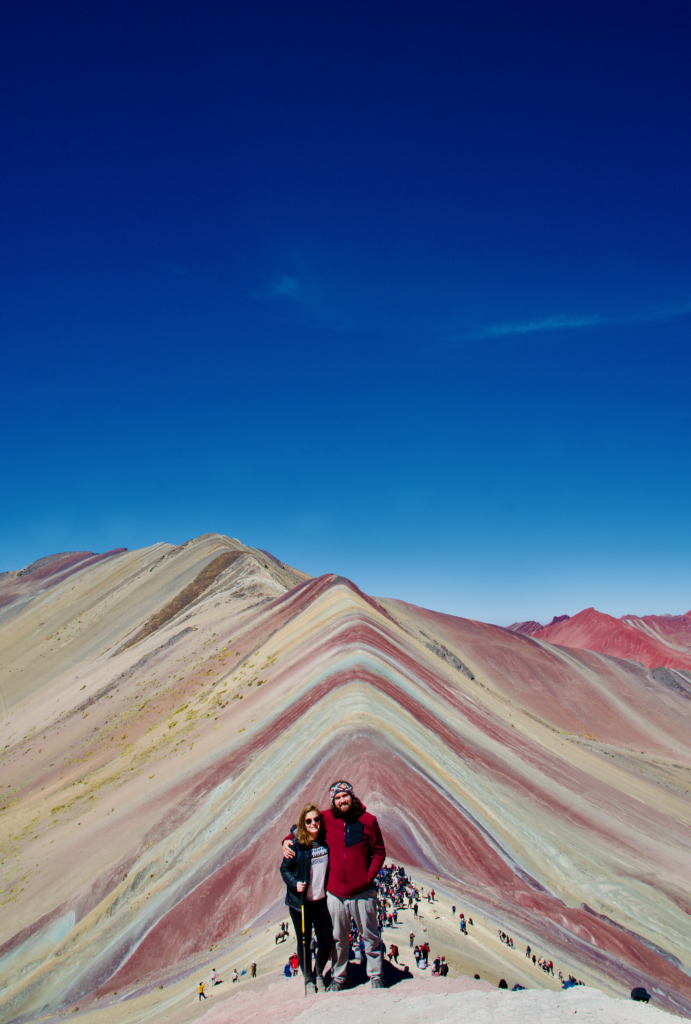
{"x": 305, "y": 876}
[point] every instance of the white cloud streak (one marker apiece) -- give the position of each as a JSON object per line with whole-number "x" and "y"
{"x": 563, "y": 322}
{"x": 549, "y": 323}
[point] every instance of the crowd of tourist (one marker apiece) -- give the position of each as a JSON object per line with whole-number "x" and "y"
{"x": 397, "y": 892}
{"x": 540, "y": 962}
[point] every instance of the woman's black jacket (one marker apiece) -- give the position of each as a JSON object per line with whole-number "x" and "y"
{"x": 294, "y": 870}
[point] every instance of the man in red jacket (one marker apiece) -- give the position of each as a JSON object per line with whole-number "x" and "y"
{"x": 356, "y": 856}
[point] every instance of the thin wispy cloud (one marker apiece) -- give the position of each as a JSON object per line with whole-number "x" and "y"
{"x": 567, "y": 322}
{"x": 549, "y": 323}
{"x": 286, "y": 286}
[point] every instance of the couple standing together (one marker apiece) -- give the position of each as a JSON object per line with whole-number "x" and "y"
{"x": 330, "y": 860}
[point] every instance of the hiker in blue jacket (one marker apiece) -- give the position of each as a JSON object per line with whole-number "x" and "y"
{"x": 305, "y": 875}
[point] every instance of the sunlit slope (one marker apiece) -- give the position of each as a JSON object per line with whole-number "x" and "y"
{"x": 158, "y": 753}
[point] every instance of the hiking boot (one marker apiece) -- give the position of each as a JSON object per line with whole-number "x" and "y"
{"x": 321, "y": 984}
{"x": 336, "y": 986}
{"x": 310, "y": 989}
{"x": 377, "y": 983}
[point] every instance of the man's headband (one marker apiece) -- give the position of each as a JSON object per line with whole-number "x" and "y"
{"x": 340, "y": 787}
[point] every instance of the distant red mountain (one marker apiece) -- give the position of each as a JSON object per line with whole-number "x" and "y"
{"x": 531, "y": 627}
{"x": 654, "y": 640}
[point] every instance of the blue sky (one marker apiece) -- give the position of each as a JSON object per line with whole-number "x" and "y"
{"x": 398, "y": 291}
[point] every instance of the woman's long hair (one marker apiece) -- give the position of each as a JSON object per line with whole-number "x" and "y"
{"x": 302, "y": 834}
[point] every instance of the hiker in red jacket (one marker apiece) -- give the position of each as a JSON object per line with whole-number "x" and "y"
{"x": 356, "y": 856}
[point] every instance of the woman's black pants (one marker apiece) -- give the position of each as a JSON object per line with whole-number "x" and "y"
{"x": 316, "y": 918}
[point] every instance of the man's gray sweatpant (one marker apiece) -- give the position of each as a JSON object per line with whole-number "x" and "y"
{"x": 363, "y": 909}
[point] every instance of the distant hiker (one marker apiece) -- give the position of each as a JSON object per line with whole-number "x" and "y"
{"x": 288, "y": 972}
{"x": 212, "y": 977}
{"x": 393, "y": 953}
{"x": 295, "y": 963}
{"x": 202, "y": 994}
{"x": 527, "y": 951}
{"x": 415, "y": 909}
{"x": 417, "y": 955}
{"x": 253, "y": 970}
{"x": 357, "y": 856}
{"x": 534, "y": 959}
{"x": 453, "y": 909}
{"x": 305, "y": 878}
{"x": 235, "y": 976}
{"x": 412, "y": 939}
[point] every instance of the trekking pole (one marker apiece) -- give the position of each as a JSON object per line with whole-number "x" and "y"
{"x": 304, "y": 947}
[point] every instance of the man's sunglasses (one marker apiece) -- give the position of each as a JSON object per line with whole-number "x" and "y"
{"x": 312, "y": 821}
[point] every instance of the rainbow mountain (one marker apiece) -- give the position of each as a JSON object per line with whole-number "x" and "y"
{"x": 166, "y": 712}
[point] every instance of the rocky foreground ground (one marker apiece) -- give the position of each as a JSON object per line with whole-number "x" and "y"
{"x": 433, "y": 1001}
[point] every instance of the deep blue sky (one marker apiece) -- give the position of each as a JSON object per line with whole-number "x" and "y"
{"x": 396, "y": 290}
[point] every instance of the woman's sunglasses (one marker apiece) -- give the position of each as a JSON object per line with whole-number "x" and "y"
{"x": 312, "y": 821}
